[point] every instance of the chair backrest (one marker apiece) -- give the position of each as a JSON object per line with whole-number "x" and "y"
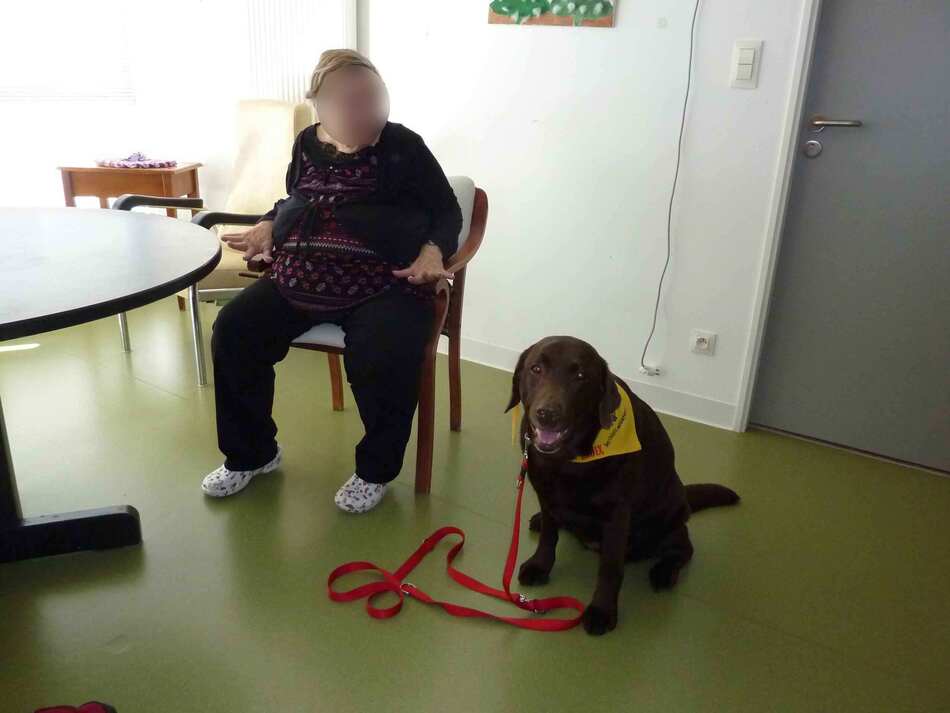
{"x": 266, "y": 133}
{"x": 464, "y": 189}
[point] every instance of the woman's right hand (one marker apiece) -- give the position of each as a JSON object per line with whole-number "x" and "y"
{"x": 256, "y": 243}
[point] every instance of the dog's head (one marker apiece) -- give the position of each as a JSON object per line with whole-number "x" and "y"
{"x": 567, "y": 391}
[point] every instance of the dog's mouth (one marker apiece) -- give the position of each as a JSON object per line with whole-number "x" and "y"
{"x": 547, "y": 440}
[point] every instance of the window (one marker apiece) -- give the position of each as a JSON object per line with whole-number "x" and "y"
{"x": 81, "y": 81}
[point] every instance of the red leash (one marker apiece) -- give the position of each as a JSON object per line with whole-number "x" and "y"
{"x": 393, "y": 582}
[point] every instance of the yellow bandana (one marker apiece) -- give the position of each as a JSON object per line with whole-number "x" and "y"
{"x": 620, "y": 438}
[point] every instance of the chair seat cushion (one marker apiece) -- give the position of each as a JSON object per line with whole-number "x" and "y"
{"x": 323, "y": 335}
{"x": 225, "y": 275}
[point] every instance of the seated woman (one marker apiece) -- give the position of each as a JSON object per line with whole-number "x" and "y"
{"x": 368, "y": 219}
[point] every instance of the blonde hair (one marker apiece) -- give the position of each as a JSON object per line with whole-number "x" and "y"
{"x": 331, "y": 61}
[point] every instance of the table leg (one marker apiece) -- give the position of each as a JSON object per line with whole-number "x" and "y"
{"x": 9, "y": 498}
{"x": 124, "y": 332}
{"x": 24, "y": 538}
{"x": 195, "y": 192}
{"x": 196, "y": 335}
{"x": 68, "y": 189}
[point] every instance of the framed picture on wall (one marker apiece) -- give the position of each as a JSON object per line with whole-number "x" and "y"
{"x": 579, "y": 13}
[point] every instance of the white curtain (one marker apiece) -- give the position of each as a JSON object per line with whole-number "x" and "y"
{"x": 285, "y": 40}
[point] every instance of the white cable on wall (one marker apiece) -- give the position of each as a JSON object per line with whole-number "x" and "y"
{"x": 652, "y": 370}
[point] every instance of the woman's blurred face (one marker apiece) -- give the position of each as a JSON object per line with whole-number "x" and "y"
{"x": 353, "y": 105}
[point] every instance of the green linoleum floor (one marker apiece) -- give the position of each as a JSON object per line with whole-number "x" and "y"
{"x": 827, "y": 589}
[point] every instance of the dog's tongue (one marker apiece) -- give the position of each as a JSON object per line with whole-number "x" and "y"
{"x": 546, "y": 438}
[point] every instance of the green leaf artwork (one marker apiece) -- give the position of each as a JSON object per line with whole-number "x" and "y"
{"x": 521, "y": 11}
{"x": 581, "y": 11}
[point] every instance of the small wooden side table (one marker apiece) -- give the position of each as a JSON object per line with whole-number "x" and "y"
{"x": 106, "y": 182}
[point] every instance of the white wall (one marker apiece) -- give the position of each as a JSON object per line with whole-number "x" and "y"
{"x": 572, "y": 133}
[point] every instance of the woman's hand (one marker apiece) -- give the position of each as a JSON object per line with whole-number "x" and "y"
{"x": 256, "y": 242}
{"x": 427, "y": 267}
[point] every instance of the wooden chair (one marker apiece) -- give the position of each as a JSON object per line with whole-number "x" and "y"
{"x": 473, "y": 232}
{"x": 328, "y": 338}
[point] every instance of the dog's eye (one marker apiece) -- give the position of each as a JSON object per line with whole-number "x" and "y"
{"x": 536, "y": 368}
{"x": 580, "y": 376}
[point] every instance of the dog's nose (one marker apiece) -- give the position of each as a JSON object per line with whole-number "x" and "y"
{"x": 547, "y": 416}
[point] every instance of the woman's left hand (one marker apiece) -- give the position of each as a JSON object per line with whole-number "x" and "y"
{"x": 427, "y": 267}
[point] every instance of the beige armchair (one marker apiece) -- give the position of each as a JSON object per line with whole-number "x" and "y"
{"x": 266, "y": 131}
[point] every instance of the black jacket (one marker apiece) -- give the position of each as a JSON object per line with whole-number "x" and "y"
{"x": 412, "y": 204}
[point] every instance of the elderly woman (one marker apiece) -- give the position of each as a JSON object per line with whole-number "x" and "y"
{"x": 366, "y": 225}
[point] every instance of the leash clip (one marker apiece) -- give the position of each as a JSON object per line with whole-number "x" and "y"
{"x": 406, "y": 588}
{"x": 528, "y": 604}
{"x": 524, "y": 461}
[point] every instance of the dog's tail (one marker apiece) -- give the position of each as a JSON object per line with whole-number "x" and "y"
{"x": 709, "y": 495}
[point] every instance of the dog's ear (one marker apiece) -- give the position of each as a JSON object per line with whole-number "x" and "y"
{"x": 516, "y": 382}
{"x": 610, "y": 397}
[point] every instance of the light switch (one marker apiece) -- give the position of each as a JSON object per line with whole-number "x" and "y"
{"x": 746, "y": 59}
{"x": 746, "y": 56}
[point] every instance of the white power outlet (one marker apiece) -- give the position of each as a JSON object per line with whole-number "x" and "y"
{"x": 702, "y": 342}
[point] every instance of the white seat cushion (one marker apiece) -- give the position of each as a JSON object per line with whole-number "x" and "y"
{"x": 324, "y": 335}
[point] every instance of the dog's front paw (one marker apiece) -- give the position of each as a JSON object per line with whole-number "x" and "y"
{"x": 533, "y": 574}
{"x": 638, "y": 553}
{"x": 664, "y": 575}
{"x": 598, "y": 621}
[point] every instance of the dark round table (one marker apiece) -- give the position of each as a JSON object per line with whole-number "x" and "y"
{"x": 67, "y": 266}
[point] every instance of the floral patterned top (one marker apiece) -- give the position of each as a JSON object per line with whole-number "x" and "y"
{"x": 328, "y": 268}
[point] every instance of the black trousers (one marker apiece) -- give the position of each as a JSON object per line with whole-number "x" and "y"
{"x": 385, "y": 340}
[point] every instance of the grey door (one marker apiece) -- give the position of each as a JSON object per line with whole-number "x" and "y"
{"x": 857, "y": 344}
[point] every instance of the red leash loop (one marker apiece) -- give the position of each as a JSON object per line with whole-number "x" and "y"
{"x": 394, "y": 582}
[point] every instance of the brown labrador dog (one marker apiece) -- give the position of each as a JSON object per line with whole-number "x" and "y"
{"x": 629, "y": 507}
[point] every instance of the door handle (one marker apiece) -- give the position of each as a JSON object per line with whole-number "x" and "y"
{"x": 820, "y": 123}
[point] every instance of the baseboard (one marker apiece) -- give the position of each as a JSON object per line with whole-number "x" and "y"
{"x": 669, "y": 401}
